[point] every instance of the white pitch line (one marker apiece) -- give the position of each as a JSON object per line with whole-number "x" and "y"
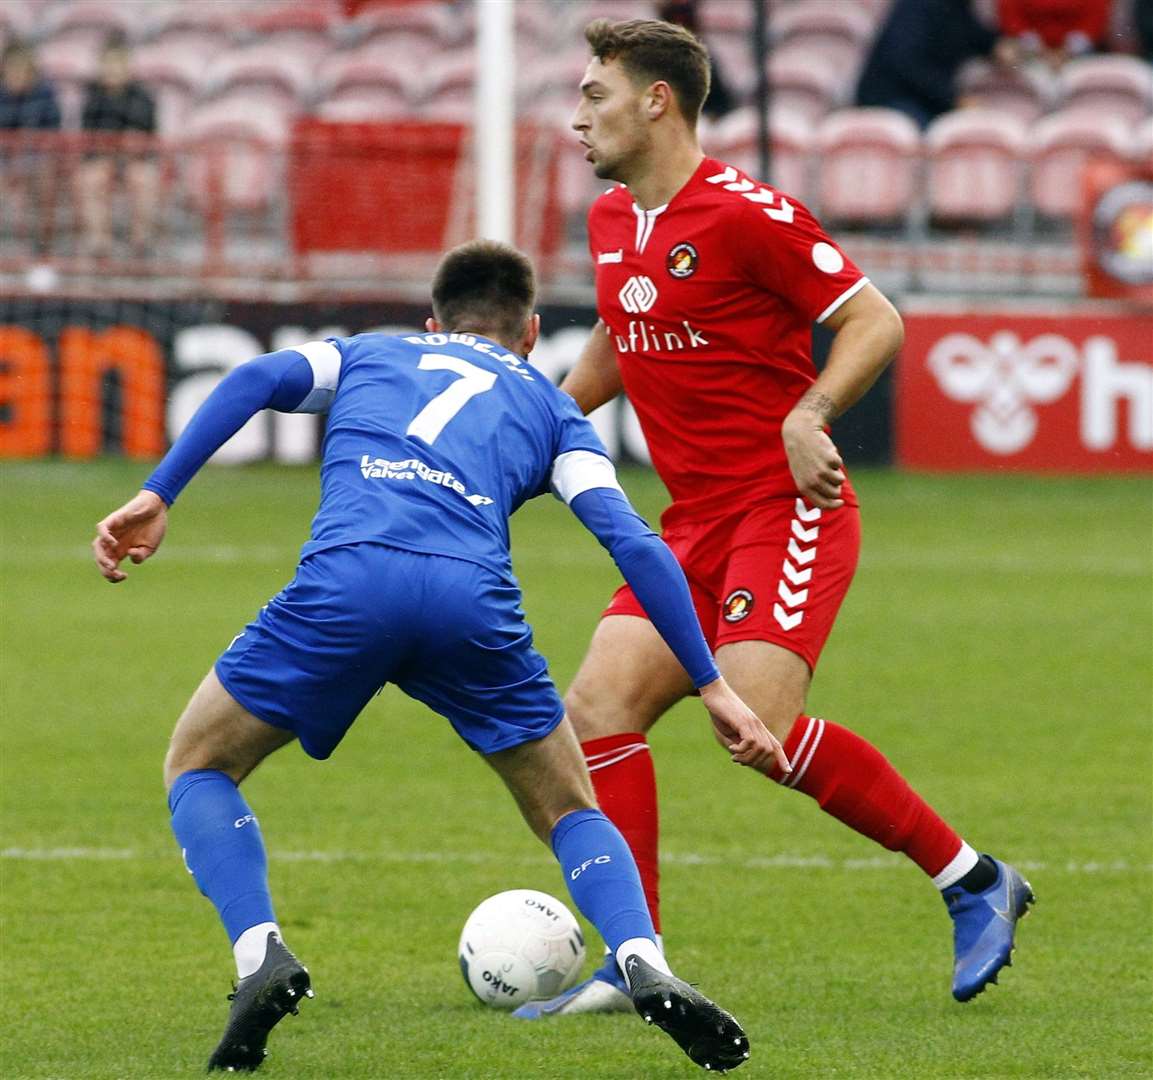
{"x": 685, "y": 858}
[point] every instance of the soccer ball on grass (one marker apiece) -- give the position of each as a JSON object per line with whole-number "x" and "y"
{"x": 520, "y": 945}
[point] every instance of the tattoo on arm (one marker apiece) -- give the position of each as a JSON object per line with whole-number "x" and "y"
{"x": 820, "y": 404}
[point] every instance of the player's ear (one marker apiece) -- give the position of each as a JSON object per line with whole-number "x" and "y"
{"x": 531, "y": 333}
{"x": 658, "y": 99}
{"x": 431, "y": 325}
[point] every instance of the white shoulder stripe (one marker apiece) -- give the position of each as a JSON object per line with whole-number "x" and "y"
{"x": 582, "y": 470}
{"x": 324, "y": 359}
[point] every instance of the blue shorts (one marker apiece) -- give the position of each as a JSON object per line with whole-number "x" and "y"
{"x": 449, "y": 633}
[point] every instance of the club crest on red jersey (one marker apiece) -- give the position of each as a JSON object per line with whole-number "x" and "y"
{"x": 681, "y": 261}
{"x": 737, "y": 606}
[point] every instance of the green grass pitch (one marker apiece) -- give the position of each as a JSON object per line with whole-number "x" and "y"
{"x": 996, "y": 645}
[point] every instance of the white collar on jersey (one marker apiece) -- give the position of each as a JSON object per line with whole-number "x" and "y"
{"x": 646, "y": 219}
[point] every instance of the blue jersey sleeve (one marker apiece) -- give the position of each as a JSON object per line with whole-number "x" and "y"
{"x": 652, "y": 572}
{"x": 281, "y": 380}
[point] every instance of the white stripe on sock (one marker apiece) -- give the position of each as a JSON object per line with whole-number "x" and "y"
{"x": 250, "y": 946}
{"x": 800, "y": 750}
{"x": 795, "y": 779}
{"x": 958, "y": 867}
{"x": 621, "y": 754}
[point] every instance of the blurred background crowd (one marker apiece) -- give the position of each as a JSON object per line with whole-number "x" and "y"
{"x": 164, "y": 139}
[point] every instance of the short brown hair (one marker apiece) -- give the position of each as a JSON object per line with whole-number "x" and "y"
{"x": 649, "y": 49}
{"x": 484, "y": 286}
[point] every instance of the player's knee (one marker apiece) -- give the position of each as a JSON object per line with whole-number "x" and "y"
{"x": 598, "y": 709}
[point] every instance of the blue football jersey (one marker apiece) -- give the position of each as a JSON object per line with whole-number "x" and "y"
{"x": 433, "y": 441}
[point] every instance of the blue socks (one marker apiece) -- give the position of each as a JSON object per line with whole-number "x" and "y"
{"x": 602, "y": 877}
{"x": 223, "y": 848}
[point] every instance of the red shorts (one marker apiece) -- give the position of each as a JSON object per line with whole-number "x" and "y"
{"x": 775, "y": 573}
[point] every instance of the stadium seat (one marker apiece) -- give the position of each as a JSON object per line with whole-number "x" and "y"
{"x": 420, "y": 28}
{"x": 975, "y": 165}
{"x": 18, "y": 18}
{"x": 1120, "y": 86}
{"x": 822, "y": 20}
{"x": 362, "y": 104}
{"x": 279, "y": 74}
{"x": 735, "y": 139}
{"x": 1060, "y": 145}
{"x": 1141, "y": 146}
{"x": 367, "y": 69}
{"x": 450, "y": 86}
{"x": 234, "y": 155}
{"x": 806, "y": 83}
{"x": 1024, "y": 92}
{"x": 869, "y": 166}
{"x": 90, "y": 21}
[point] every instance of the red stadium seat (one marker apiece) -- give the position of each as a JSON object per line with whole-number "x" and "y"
{"x": 90, "y": 21}
{"x": 868, "y": 167}
{"x": 450, "y": 87}
{"x": 1141, "y": 147}
{"x": 369, "y": 69}
{"x": 807, "y": 83}
{"x": 233, "y": 154}
{"x": 1120, "y": 86}
{"x": 975, "y": 165}
{"x": 278, "y": 74}
{"x": 735, "y": 139}
{"x": 1060, "y": 145}
{"x": 812, "y": 20}
{"x": 361, "y": 104}
{"x": 421, "y": 28}
{"x": 1024, "y": 92}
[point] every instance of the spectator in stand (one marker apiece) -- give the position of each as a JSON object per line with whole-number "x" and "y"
{"x": 1143, "y": 18}
{"x": 1054, "y": 30}
{"x": 720, "y": 100}
{"x": 118, "y": 105}
{"x": 27, "y": 177}
{"x": 917, "y": 53}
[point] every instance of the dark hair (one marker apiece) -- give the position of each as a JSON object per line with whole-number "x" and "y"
{"x": 486, "y": 287}
{"x": 649, "y": 50}
{"x": 116, "y": 41}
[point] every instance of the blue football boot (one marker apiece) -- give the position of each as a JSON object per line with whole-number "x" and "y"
{"x": 605, "y": 991}
{"x": 983, "y": 927}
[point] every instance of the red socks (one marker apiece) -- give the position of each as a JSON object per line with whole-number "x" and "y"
{"x": 626, "y": 789}
{"x": 854, "y": 782}
{"x": 848, "y": 777}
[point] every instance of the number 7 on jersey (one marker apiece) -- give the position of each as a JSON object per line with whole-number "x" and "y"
{"x": 431, "y": 420}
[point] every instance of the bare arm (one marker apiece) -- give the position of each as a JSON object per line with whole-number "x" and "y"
{"x": 596, "y": 378}
{"x": 868, "y": 334}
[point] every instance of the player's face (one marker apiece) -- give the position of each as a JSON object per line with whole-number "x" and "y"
{"x": 611, "y": 120}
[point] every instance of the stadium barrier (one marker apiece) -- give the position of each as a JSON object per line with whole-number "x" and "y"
{"x": 336, "y": 201}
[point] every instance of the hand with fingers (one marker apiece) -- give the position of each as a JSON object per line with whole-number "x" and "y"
{"x": 814, "y": 460}
{"x": 133, "y": 532}
{"x": 740, "y": 730}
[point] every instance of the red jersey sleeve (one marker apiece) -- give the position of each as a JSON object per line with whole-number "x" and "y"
{"x": 788, "y": 253}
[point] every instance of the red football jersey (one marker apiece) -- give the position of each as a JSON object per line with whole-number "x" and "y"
{"x": 710, "y": 301}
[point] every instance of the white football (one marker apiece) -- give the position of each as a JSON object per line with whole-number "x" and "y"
{"x": 518, "y": 946}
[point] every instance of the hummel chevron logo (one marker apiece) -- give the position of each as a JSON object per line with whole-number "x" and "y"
{"x": 808, "y": 514}
{"x": 795, "y": 576}
{"x": 787, "y": 621}
{"x": 804, "y": 556}
{"x": 793, "y": 599}
{"x": 747, "y": 189}
{"x": 806, "y": 536}
{"x": 726, "y": 177}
